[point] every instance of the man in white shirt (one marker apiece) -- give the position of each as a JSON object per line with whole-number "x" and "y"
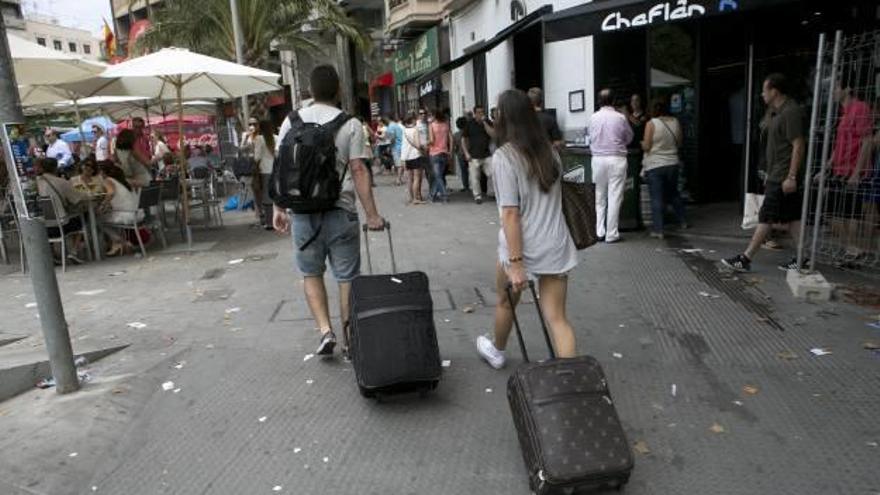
{"x": 59, "y": 150}
{"x": 102, "y": 145}
{"x": 333, "y": 234}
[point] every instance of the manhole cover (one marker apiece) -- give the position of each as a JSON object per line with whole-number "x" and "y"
{"x": 213, "y": 295}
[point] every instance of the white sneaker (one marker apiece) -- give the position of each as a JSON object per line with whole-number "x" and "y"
{"x": 487, "y": 351}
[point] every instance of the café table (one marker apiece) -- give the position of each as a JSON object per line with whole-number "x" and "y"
{"x": 95, "y": 199}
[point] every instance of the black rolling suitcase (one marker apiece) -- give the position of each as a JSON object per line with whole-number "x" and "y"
{"x": 569, "y": 432}
{"x": 392, "y": 339}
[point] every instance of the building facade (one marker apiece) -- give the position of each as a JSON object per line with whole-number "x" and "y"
{"x": 707, "y": 58}
{"x": 74, "y": 41}
{"x": 13, "y": 17}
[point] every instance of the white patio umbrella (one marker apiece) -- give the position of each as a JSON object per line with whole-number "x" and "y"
{"x": 38, "y": 69}
{"x": 178, "y": 74}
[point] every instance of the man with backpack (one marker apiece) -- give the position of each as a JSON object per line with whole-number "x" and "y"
{"x": 321, "y": 167}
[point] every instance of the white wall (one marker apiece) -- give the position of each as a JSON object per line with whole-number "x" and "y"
{"x": 568, "y": 65}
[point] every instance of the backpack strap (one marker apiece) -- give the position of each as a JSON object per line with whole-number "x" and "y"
{"x": 295, "y": 120}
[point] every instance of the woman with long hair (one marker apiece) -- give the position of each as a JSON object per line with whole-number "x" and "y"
{"x": 439, "y": 151}
{"x": 136, "y": 174}
{"x": 534, "y": 241}
{"x": 120, "y": 206}
{"x": 264, "y": 155}
{"x": 412, "y": 157}
{"x": 661, "y": 164}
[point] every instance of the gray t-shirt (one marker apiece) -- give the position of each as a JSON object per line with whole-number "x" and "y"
{"x": 547, "y": 245}
{"x": 349, "y": 146}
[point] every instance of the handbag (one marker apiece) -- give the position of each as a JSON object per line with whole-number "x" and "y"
{"x": 579, "y": 208}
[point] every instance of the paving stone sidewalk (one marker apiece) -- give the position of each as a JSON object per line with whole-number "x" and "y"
{"x": 712, "y": 374}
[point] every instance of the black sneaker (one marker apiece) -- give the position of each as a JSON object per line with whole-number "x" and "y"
{"x": 328, "y": 342}
{"x": 738, "y": 263}
{"x": 792, "y": 264}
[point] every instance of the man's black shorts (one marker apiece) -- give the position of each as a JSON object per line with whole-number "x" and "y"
{"x": 779, "y": 207}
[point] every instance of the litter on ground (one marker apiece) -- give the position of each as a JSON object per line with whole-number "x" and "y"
{"x": 818, "y": 351}
{"x": 167, "y": 386}
{"x": 137, "y": 325}
{"x": 90, "y": 292}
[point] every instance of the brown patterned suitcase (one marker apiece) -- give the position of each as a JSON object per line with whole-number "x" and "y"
{"x": 569, "y": 433}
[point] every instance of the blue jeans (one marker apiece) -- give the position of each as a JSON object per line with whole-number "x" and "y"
{"x": 464, "y": 171}
{"x": 663, "y": 184}
{"x": 438, "y": 184}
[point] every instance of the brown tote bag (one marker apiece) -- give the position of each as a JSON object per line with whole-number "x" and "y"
{"x": 579, "y": 208}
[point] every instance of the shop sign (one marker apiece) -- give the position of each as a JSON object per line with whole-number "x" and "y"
{"x": 416, "y": 58}
{"x": 665, "y": 12}
{"x": 428, "y": 87}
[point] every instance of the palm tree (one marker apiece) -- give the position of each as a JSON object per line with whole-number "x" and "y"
{"x": 205, "y": 26}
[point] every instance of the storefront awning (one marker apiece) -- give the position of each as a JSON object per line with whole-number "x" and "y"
{"x": 489, "y": 44}
{"x": 618, "y": 15}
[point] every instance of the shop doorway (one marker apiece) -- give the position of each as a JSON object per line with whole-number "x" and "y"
{"x": 528, "y": 58}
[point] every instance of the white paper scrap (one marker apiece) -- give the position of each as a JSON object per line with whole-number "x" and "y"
{"x": 179, "y": 365}
{"x": 692, "y": 251}
{"x": 30, "y": 305}
{"x": 90, "y": 292}
{"x": 818, "y": 351}
{"x": 446, "y": 363}
{"x": 72, "y": 454}
{"x": 488, "y": 390}
{"x": 236, "y": 261}
{"x": 297, "y": 450}
{"x": 310, "y": 381}
{"x": 617, "y": 355}
{"x": 711, "y": 296}
{"x": 674, "y": 390}
{"x": 307, "y": 357}
{"x": 167, "y": 386}
{"x": 137, "y": 325}
{"x": 175, "y": 391}
{"x": 262, "y": 419}
{"x": 276, "y": 488}
{"x": 233, "y": 310}
{"x": 396, "y": 280}
{"x": 326, "y": 460}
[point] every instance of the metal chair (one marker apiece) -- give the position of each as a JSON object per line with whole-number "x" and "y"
{"x": 149, "y": 198}
{"x": 170, "y": 191}
{"x": 51, "y": 215}
{"x": 203, "y": 194}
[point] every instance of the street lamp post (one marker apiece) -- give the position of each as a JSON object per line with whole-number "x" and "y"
{"x": 239, "y": 57}
{"x": 35, "y": 238}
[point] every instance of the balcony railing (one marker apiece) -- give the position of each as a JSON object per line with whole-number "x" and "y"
{"x": 393, "y": 4}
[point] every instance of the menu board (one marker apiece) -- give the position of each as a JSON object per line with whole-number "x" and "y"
{"x": 16, "y": 144}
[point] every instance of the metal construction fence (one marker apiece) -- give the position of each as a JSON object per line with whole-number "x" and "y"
{"x": 842, "y": 184}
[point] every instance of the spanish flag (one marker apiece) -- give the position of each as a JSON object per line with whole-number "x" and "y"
{"x": 109, "y": 40}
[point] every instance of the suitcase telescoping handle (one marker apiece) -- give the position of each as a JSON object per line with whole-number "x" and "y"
{"x": 522, "y": 343}
{"x": 386, "y": 228}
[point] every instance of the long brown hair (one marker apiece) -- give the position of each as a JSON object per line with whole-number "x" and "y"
{"x": 268, "y": 137}
{"x": 518, "y": 125}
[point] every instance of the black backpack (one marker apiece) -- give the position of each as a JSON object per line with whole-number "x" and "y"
{"x": 304, "y": 177}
